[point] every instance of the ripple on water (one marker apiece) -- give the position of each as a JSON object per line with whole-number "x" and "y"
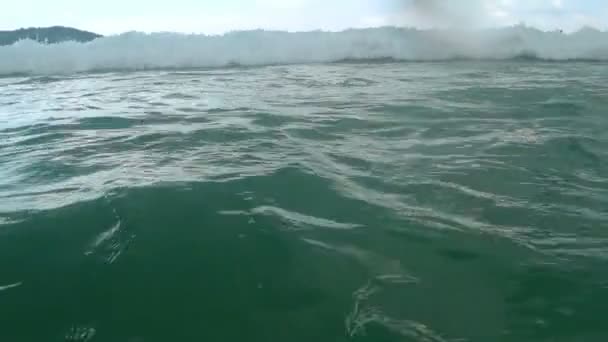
{"x": 10, "y": 286}
{"x": 387, "y": 202}
{"x": 111, "y": 243}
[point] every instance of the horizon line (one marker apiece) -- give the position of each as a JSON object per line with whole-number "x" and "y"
{"x": 322, "y": 30}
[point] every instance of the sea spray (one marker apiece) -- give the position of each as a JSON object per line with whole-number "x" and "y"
{"x": 139, "y": 51}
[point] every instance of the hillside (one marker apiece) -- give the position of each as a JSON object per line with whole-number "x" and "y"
{"x": 50, "y": 35}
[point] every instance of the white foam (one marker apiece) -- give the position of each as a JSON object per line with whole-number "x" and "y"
{"x": 139, "y": 51}
{"x": 11, "y": 286}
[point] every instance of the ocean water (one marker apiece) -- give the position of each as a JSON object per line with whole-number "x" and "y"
{"x": 353, "y": 201}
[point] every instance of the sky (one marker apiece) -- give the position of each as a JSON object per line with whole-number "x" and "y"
{"x": 219, "y": 16}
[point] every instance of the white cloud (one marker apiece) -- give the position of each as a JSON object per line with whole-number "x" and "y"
{"x": 282, "y": 4}
{"x": 208, "y": 16}
{"x": 558, "y": 4}
{"x": 544, "y": 14}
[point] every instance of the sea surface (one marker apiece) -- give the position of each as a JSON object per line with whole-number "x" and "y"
{"x": 360, "y": 201}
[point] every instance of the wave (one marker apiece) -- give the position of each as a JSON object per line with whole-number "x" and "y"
{"x": 134, "y": 51}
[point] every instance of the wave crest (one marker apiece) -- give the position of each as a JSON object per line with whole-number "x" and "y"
{"x": 139, "y": 51}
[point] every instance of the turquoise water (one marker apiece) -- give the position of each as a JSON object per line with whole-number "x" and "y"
{"x": 453, "y": 201}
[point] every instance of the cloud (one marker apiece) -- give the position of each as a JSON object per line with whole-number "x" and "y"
{"x": 558, "y": 3}
{"x": 544, "y": 14}
{"x": 114, "y": 16}
{"x": 448, "y": 13}
{"x": 282, "y": 4}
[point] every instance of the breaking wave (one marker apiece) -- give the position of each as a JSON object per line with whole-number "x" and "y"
{"x": 139, "y": 51}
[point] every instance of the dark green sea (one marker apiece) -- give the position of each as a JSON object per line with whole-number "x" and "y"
{"x": 447, "y": 201}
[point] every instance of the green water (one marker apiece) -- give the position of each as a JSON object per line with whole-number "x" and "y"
{"x": 459, "y": 201}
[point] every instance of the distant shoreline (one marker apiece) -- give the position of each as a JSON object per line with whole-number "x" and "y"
{"x": 48, "y": 35}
